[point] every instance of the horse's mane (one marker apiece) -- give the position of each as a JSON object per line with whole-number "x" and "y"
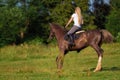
{"x": 58, "y": 27}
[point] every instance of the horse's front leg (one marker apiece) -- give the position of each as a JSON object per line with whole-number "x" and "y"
{"x": 60, "y": 60}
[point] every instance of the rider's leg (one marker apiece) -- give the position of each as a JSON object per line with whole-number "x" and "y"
{"x": 71, "y": 34}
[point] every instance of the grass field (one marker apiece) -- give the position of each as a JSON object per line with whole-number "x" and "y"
{"x": 37, "y": 62}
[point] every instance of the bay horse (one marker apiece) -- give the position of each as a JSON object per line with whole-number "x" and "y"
{"x": 93, "y": 38}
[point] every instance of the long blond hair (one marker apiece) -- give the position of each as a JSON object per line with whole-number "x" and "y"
{"x": 78, "y": 11}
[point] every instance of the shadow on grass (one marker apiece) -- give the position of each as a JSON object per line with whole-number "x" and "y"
{"x": 111, "y": 69}
{"x": 108, "y": 69}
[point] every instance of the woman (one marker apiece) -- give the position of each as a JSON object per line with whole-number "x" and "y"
{"x": 78, "y": 20}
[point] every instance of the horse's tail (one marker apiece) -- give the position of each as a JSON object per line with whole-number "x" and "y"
{"x": 107, "y": 37}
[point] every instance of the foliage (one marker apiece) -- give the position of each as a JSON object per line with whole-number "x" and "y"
{"x": 118, "y": 37}
{"x": 18, "y": 23}
{"x": 100, "y": 12}
{"x": 60, "y": 11}
{"x": 90, "y": 27}
{"x": 12, "y": 23}
{"x": 37, "y": 16}
{"x": 30, "y": 20}
{"x": 113, "y": 23}
{"x": 113, "y": 20}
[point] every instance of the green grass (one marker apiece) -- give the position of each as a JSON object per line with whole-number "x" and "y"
{"x": 37, "y": 62}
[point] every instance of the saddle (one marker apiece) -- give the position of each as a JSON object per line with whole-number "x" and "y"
{"x": 78, "y": 34}
{"x": 75, "y": 36}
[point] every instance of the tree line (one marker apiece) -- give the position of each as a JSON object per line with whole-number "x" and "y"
{"x": 28, "y": 20}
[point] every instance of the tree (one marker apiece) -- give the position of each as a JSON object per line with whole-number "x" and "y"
{"x": 101, "y": 10}
{"x": 61, "y": 11}
{"x": 28, "y": 19}
{"x": 11, "y": 23}
{"x": 113, "y": 20}
{"x": 37, "y": 15}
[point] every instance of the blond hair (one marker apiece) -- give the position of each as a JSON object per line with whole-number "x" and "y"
{"x": 78, "y": 11}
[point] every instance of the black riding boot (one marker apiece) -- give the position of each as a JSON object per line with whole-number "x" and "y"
{"x": 71, "y": 41}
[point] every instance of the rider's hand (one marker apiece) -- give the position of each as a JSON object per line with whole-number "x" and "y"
{"x": 64, "y": 27}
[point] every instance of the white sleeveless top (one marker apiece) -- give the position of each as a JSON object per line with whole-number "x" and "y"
{"x": 75, "y": 19}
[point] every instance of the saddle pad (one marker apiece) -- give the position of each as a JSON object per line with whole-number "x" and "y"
{"x": 79, "y": 31}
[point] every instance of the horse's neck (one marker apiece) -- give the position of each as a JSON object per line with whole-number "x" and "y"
{"x": 59, "y": 31}
{"x": 59, "y": 34}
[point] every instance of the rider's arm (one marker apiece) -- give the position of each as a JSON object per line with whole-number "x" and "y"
{"x": 70, "y": 20}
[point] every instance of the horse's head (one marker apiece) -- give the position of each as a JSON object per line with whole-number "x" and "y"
{"x": 56, "y": 31}
{"x": 52, "y": 33}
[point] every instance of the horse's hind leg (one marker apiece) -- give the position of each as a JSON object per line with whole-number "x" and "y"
{"x": 99, "y": 64}
{"x": 100, "y": 55}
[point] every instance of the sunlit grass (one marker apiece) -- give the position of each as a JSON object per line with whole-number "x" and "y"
{"x": 37, "y": 62}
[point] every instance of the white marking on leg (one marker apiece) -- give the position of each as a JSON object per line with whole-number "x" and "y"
{"x": 99, "y": 63}
{"x": 100, "y": 59}
{"x": 98, "y": 68}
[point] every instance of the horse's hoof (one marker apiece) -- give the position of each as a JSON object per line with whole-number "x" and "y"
{"x": 59, "y": 71}
{"x": 96, "y": 70}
